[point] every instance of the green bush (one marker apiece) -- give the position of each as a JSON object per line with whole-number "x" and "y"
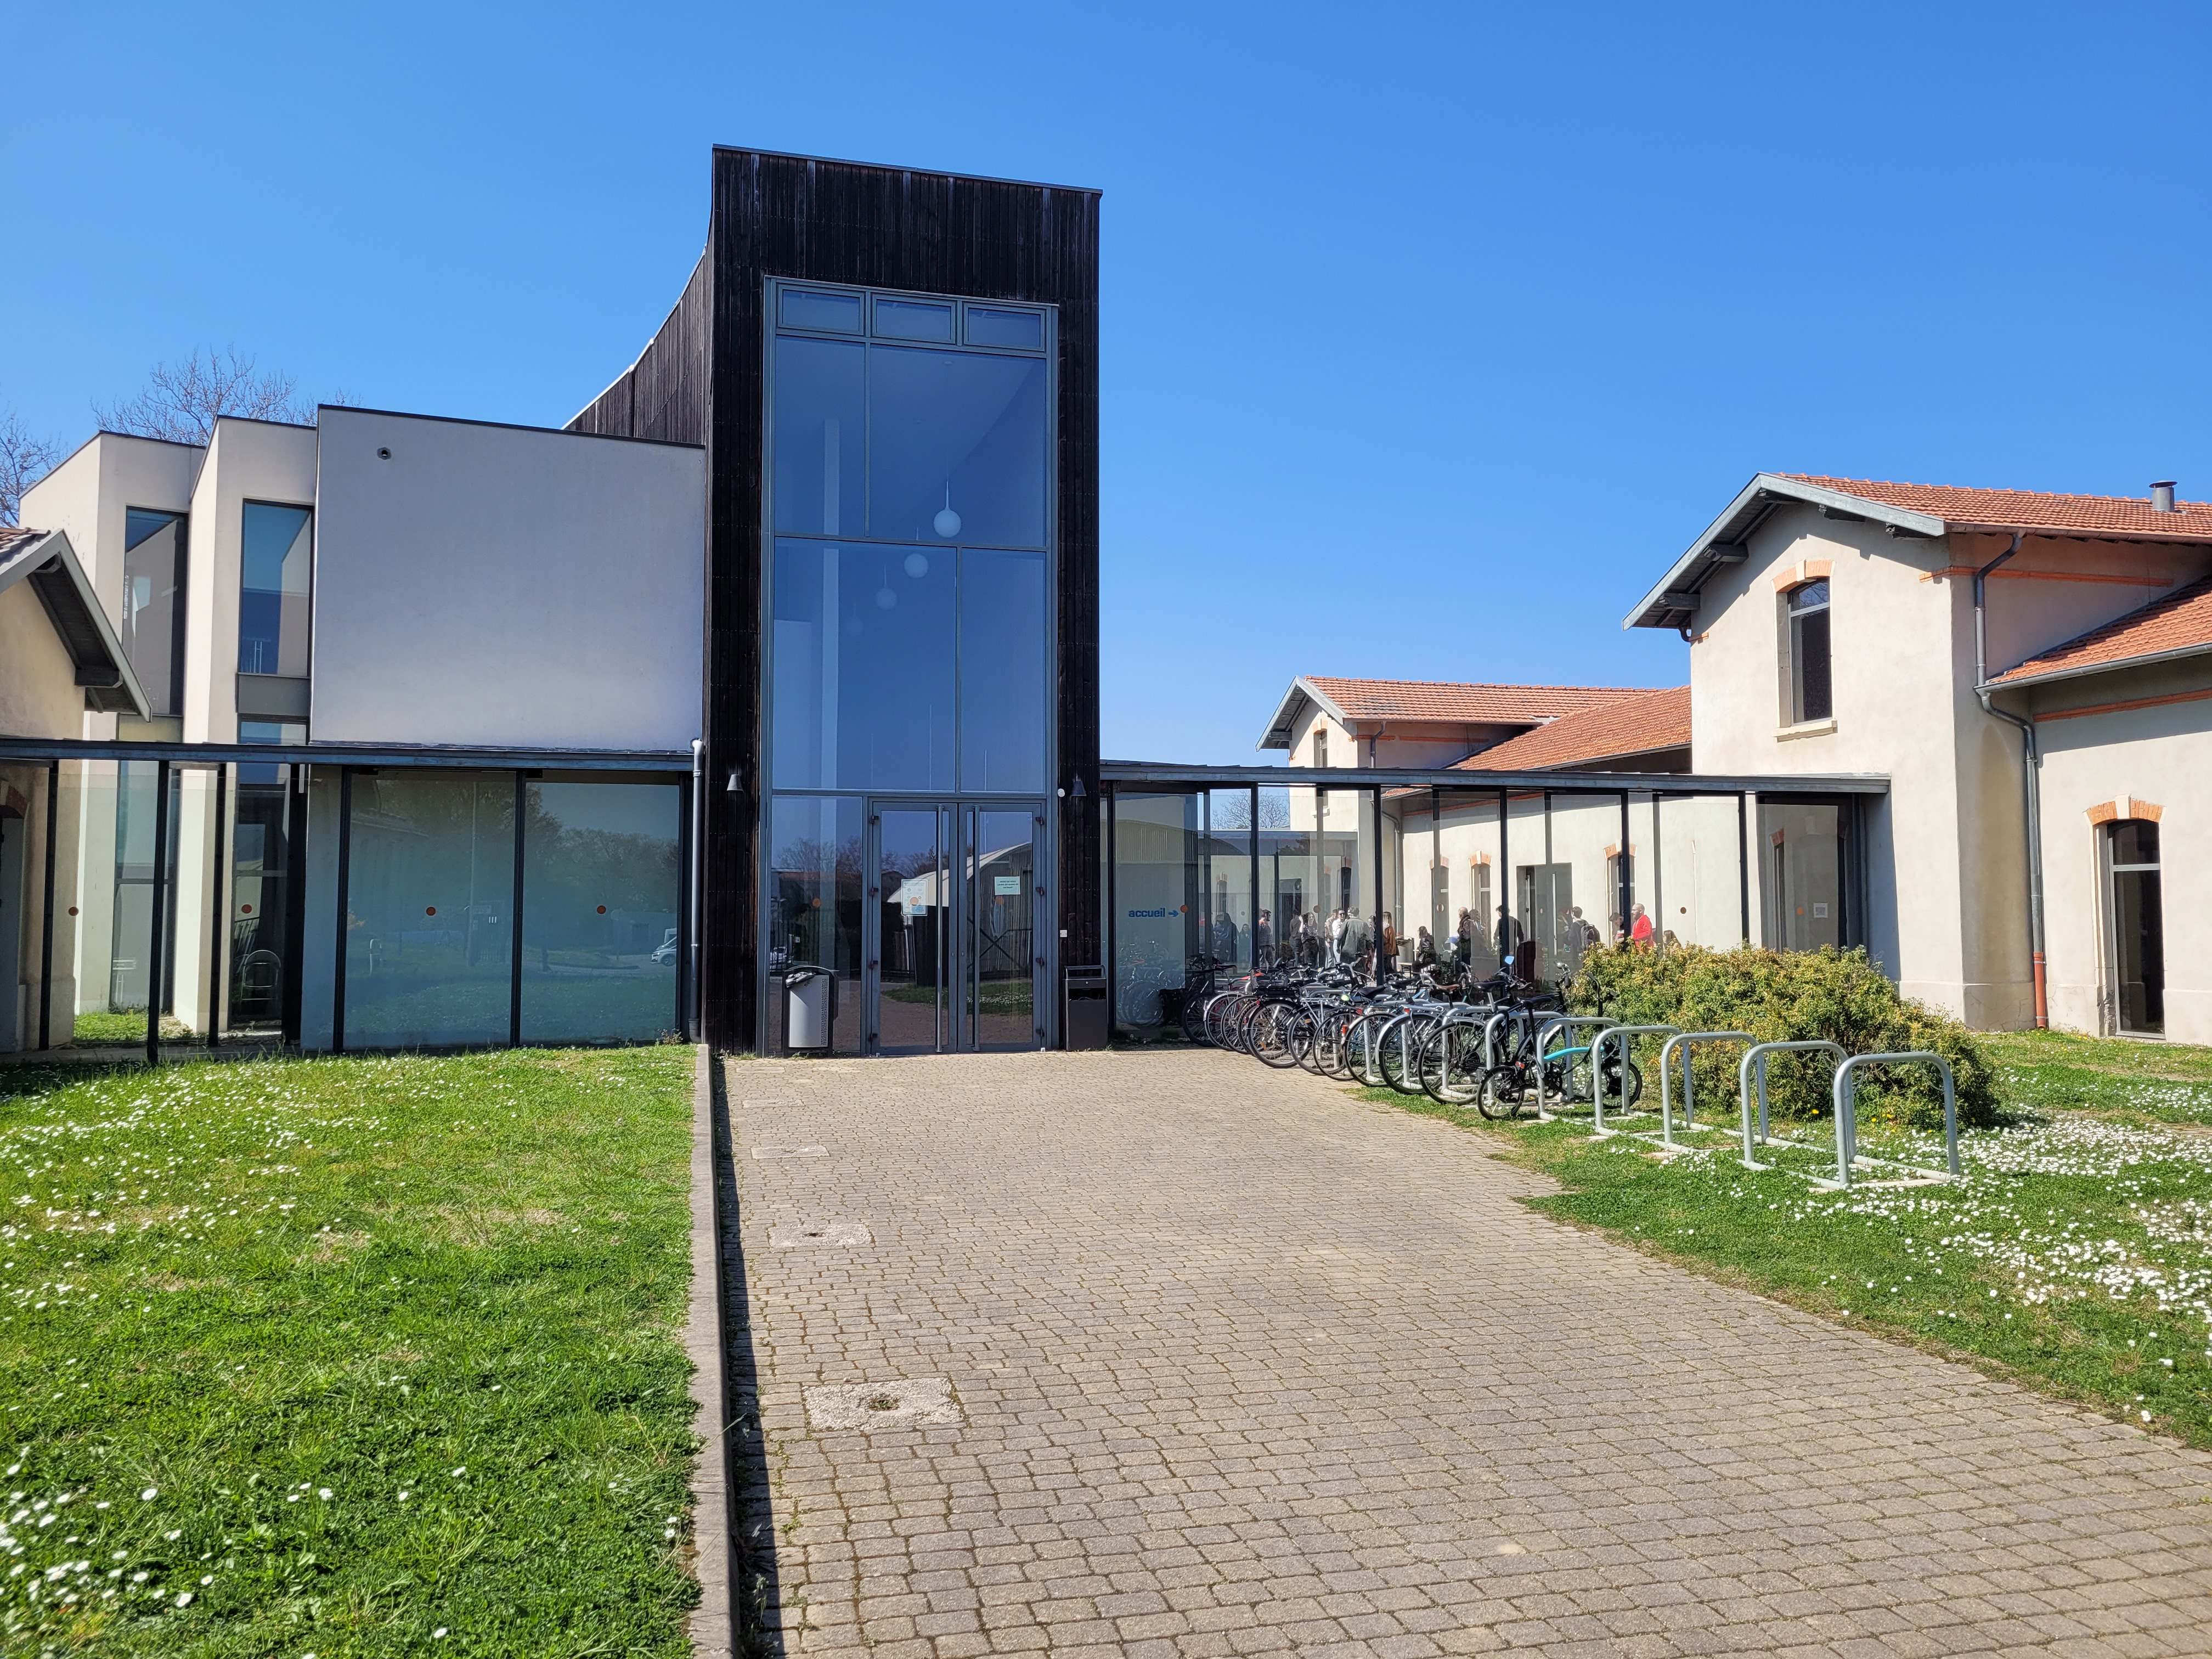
{"x": 1782, "y": 996}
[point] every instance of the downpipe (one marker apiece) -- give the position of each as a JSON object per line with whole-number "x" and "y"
{"x": 2030, "y": 761}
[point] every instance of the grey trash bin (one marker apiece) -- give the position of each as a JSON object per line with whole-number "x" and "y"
{"x": 809, "y": 1009}
{"x": 1085, "y": 1024}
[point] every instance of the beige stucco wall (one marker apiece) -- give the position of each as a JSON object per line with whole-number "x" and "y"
{"x": 2160, "y": 755}
{"x": 89, "y": 493}
{"x": 246, "y": 461}
{"x": 1946, "y": 855}
{"x": 39, "y": 693}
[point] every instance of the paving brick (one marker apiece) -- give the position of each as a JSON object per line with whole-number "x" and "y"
{"x": 1248, "y": 1366}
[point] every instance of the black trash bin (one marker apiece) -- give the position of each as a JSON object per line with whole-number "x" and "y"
{"x": 809, "y": 1009}
{"x": 1085, "y": 1021}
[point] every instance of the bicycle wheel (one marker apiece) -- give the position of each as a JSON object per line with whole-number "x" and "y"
{"x": 1269, "y": 1034}
{"x": 1400, "y": 1049}
{"x": 1224, "y": 1018}
{"x": 1359, "y": 1058}
{"x": 1501, "y": 1096}
{"x": 1451, "y": 1065}
{"x": 1193, "y": 1013}
{"x": 1306, "y": 1039}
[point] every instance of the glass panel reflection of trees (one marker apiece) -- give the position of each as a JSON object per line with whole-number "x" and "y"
{"x": 429, "y": 909}
{"x": 599, "y": 888}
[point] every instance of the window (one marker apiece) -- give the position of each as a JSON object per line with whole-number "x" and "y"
{"x": 1802, "y": 882}
{"x": 1811, "y": 694}
{"x": 599, "y": 931}
{"x": 910, "y": 607}
{"x": 154, "y": 605}
{"x": 276, "y": 567}
{"x": 2137, "y": 945}
{"x": 1320, "y": 749}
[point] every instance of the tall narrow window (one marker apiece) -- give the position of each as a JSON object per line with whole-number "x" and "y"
{"x": 154, "y": 605}
{"x": 1320, "y": 749}
{"x": 274, "y": 573}
{"x": 2138, "y": 925}
{"x": 1811, "y": 697}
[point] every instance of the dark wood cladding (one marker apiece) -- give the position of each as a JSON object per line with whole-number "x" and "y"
{"x": 701, "y": 380}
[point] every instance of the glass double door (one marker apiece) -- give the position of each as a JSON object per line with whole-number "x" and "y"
{"x": 951, "y": 946}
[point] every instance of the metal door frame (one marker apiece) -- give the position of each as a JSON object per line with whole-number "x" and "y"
{"x": 872, "y": 919}
{"x": 968, "y": 960}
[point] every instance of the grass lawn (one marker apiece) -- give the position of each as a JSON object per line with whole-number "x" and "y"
{"x": 2074, "y": 1257}
{"x": 348, "y": 1356}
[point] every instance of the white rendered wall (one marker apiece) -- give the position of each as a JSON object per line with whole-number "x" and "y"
{"x": 503, "y": 586}
{"x": 89, "y": 493}
{"x": 38, "y": 694}
{"x": 246, "y": 461}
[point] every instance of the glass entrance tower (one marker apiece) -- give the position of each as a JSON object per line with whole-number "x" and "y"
{"x": 895, "y": 374}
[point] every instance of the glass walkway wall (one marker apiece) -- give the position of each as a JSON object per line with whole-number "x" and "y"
{"x": 1217, "y": 871}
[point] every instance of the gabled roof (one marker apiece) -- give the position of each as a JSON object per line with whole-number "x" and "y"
{"x": 1627, "y": 723}
{"x": 2177, "y": 625}
{"x": 1907, "y": 510}
{"x": 45, "y": 560}
{"x": 1441, "y": 702}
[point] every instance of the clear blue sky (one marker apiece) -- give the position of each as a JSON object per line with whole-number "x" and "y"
{"x": 1430, "y": 335}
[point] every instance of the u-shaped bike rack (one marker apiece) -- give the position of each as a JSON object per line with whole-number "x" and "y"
{"x": 1689, "y": 1088}
{"x": 1597, "y": 1071}
{"x": 1567, "y": 1022}
{"x": 1751, "y": 1084}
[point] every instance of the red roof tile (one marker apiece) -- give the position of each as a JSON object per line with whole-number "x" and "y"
{"x": 1450, "y": 701}
{"x": 1627, "y": 723}
{"x": 2028, "y": 509}
{"x": 11, "y": 534}
{"x": 2182, "y": 621}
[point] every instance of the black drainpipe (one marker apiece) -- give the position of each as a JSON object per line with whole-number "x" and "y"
{"x": 2031, "y": 761}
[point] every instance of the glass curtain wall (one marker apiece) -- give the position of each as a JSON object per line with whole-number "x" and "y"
{"x": 430, "y": 917}
{"x": 1803, "y": 874}
{"x": 599, "y": 930}
{"x": 815, "y": 853}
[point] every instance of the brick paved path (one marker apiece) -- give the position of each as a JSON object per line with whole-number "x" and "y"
{"x": 1247, "y": 1365}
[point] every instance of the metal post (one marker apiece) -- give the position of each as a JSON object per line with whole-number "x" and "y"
{"x": 154, "y": 940}
{"x": 1256, "y": 876}
{"x": 46, "y": 914}
{"x": 1666, "y": 1100}
{"x": 1597, "y": 1076}
{"x": 1658, "y": 879}
{"x": 514, "y": 921}
{"x": 1628, "y": 875}
{"x": 1113, "y": 933}
{"x": 1753, "y": 1067}
{"x": 1743, "y": 861}
{"x": 1375, "y": 899}
{"x": 218, "y": 909}
{"x": 1504, "y": 893}
{"x": 345, "y": 874}
{"x": 695, "y": 864}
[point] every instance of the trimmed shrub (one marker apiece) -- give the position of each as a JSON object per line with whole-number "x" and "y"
{"x": 1786, "y": 996}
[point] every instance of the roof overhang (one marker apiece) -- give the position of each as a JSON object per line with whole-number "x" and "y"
{"x": 1673, "y": 602}
{"x": 2113, "y": 665}
{"x": 1301, "y": 692}
{"x": 49, "y": 564}
{"x": 1562, "y": 780}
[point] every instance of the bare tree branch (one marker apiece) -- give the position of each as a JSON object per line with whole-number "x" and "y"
{"x": 25, "y": 458}
{"x": 182, "y": 401}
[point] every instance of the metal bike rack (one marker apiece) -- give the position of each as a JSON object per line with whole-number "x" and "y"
{"x": 1465, "y": 1013}
{"x": 1597, "y": 1071}
{"x": 1847, "y": 1127}
{"x": 1689, "y": 1101}
{"x": 1753, "y": 1067}
{"x": 1567, "y": 1022}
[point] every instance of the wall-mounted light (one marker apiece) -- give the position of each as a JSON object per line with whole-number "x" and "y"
{"x": 737, "y": 783}
{"x": 1076, "y": 788}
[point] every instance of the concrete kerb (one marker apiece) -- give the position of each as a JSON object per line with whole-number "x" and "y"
{"x": 713, "y": 1626}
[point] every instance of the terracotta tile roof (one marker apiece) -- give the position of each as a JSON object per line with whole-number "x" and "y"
{"x": 1448, "y": 701}
{"x": 12, "y": 535}
{"x": 2180, "y": 622}
{"x": 2027, "y": 509}
{"x": 1626, "y": 723}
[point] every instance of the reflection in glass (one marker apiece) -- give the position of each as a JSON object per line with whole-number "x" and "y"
{"x": 863, "y": 677}
{"x": 1225, "y": 876}
{"x": 956, "y": 447}
{"x": 814, "y": 906}
{"x": 906, "y": 320}
{"x": 1803, "y": 877}
{"x": 838, "y": 313}
{"x": 989, "y": 327}
{"x": 821, "y": 436}
{"x": 276, "y": 563}
{"x": 153, "y": 606}
{"x": 598, "y": 912}
{"x": 1001, "y": 985}
{"x": 1002, "y": 671}
{"x": 911, "y": 888}
{"x": 429, "y": 925}
{"x": 1811, "y": 685}
{"x": 259, "y": 900}
{"x": 1155, "y": 888}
